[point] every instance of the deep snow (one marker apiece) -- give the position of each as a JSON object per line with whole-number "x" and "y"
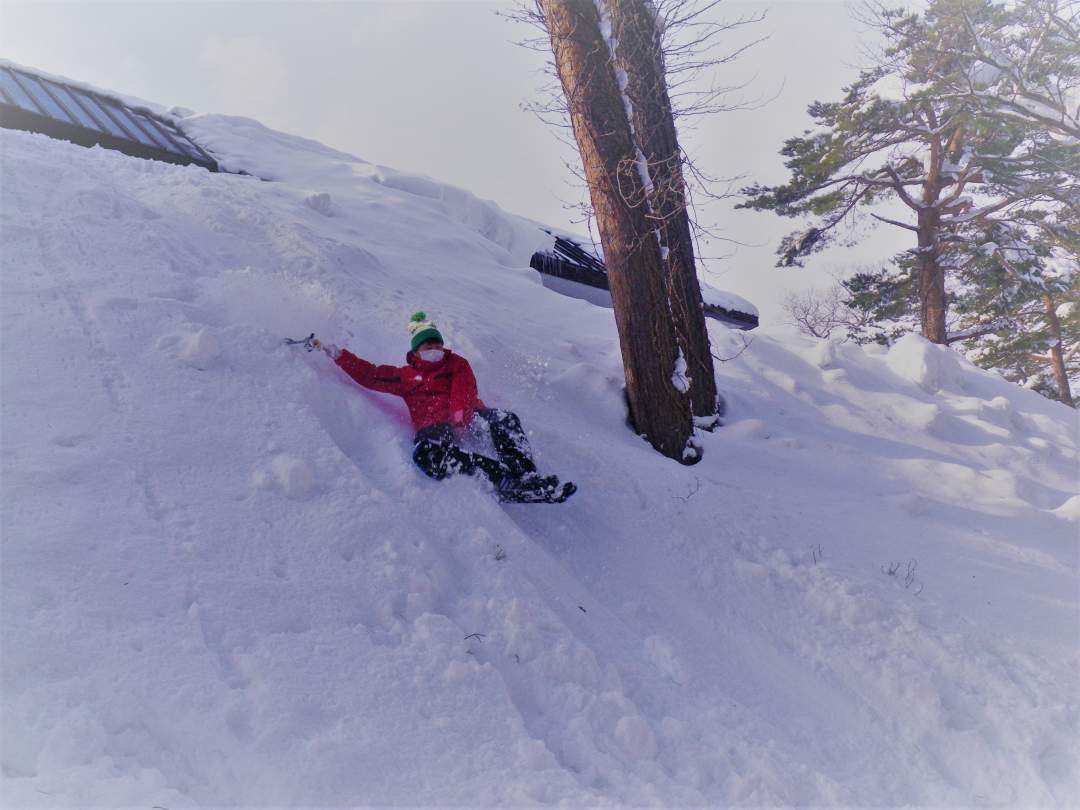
{"x": 224, "y": 583}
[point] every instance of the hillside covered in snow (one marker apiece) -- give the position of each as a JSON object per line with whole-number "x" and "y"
{"x": 225, "y": 584}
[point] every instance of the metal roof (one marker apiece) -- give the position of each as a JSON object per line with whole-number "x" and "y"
{"x": 39, "y": 104}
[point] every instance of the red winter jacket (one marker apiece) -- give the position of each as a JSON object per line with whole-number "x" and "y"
{"x": 435, "y": 392}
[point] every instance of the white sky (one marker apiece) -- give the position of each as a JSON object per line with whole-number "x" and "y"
{"x": 437, "y": 88}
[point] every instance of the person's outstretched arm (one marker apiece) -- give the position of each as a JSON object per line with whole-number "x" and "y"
{"x": 386, "y": 379}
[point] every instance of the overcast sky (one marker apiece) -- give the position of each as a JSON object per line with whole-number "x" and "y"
{"x": 438, "y": 87}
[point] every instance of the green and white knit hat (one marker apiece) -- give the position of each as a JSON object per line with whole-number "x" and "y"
{"x": 421, "y": 329}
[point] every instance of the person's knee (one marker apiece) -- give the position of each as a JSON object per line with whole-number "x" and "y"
{"x": 430, "y": 457}
{"x": 508, "y": 419}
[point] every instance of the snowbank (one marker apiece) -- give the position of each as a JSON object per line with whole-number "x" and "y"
{"x": 248, "y": 146}
{"x": 224, "y": 583}
{"x": 928, "y": 365}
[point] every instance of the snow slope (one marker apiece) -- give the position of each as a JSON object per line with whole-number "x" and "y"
{"x": 224, "y": 583}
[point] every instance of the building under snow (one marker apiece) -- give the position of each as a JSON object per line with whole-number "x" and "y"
{"x": 70, "y": 111}
{"x": 570, "y": 268}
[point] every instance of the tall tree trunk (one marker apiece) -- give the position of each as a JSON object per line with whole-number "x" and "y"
{"x": 1057, "y": 354}
{"x": 640, "y": 58}
{"x": 931, "y": 280}
{"x": 932, "y": 303}
{"x": 609, "y": 155}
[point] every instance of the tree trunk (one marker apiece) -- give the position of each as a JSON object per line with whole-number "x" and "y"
{"x": 640, "y": 57}
{"x": 632, "y": 253}
{"x": 1057, "y": 354}
{"x": 931, "y": 273}
{"x": 931, "y": 279}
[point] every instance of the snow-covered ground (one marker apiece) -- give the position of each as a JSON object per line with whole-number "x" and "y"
{"x": 224, "y": 583}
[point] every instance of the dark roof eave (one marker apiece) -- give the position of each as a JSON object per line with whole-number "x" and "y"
{"x": 552, "y": 264}
{"x": 742, "y": 320}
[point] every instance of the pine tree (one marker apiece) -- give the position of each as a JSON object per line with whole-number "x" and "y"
{"x": 1013, "y": 310}
{"x": 932, "y": 128}
{"x": 887, "y": 300}
{"x": 1025, "y": 60}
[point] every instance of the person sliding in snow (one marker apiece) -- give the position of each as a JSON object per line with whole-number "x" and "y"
{"x": 440, "y": 391}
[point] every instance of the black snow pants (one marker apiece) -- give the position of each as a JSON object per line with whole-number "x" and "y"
{"x": 437, "y": 453}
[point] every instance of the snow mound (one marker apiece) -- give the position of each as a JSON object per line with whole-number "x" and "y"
{"x": 293, "y": 476}
{"x": 198, "y": 350}
{"x": 928, "y": 365}
{"x": 242, "y": 144}
{"x": 323, "y": 203}
{"x": 1070, "y": 510}
{"x": 225, "y": 583}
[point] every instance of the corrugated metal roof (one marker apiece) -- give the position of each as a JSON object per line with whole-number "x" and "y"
{"x": 37, "y": 103}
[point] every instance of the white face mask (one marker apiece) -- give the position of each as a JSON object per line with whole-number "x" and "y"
{"x": 432, "y": 355}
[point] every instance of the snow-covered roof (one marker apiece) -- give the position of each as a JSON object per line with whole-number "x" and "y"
{"x": 574, "y": 259}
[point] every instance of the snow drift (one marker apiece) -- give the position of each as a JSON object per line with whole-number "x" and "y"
{"x": 225, "y": 584}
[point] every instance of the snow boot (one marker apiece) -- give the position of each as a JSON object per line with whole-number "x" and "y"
{"x": 535, "y": 489}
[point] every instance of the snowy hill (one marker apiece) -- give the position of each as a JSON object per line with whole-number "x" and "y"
{"x": 224, "y": 583}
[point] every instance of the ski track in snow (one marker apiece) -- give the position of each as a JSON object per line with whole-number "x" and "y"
{"x": 225, "y": 584}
